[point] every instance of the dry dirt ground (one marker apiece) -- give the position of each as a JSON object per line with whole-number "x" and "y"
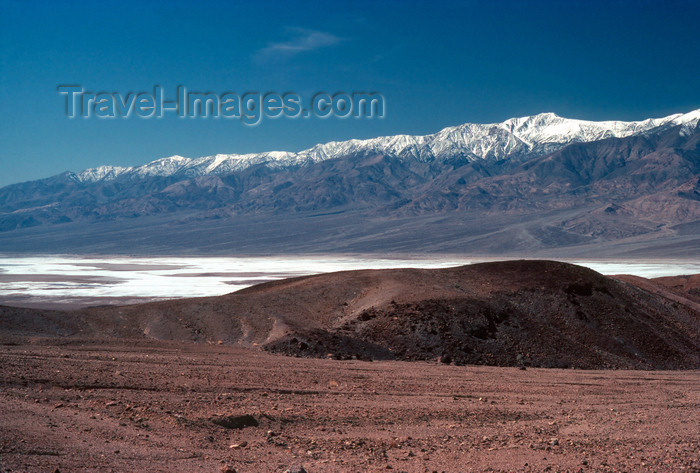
{"x": 73, "y": 406}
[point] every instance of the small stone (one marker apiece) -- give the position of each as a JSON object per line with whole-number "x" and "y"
{"x": 295, "y": 469}
{"x": 227, "y": 469}
{"x": 242, "y": 444}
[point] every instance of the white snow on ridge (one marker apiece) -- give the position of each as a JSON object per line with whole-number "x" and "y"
{"x": 523, "y": 137}
{"x": 102, "y": 173}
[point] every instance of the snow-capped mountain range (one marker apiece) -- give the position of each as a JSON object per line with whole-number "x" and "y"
{"x": 524, "y": 185}
{"x": 515, "y": 138}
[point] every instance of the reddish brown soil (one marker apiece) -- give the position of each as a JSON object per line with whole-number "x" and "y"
{"x": 138, "y": 407}
{"x": 688, "y": 285}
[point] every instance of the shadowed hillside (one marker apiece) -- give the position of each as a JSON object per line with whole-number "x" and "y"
{"x": 512, "y": 313}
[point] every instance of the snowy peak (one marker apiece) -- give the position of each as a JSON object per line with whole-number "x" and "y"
{"x": 516, "y": 138}
{"x": 101, "y": 173}
{"x": 163, "y": 167}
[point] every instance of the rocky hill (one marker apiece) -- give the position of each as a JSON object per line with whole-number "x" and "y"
{"x": 512, "y": 313}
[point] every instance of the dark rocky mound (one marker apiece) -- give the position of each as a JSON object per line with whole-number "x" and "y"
{"x": 538, "y": 313}
{"x": 511, "y": 313}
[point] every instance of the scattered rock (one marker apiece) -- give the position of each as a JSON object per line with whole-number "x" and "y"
{"x": 295, "y": 469}
{"x": 242, "y": 444}
{"x": 227, "y": 469}
{"x": 235, "y": 422}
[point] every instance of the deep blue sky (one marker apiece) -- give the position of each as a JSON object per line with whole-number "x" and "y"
{"x": 436, "y": 63}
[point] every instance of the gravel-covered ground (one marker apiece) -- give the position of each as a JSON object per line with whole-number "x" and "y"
{"x": 73, "y": 406}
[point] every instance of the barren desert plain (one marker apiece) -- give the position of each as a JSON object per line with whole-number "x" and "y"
{"x": 148, "y": 407}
